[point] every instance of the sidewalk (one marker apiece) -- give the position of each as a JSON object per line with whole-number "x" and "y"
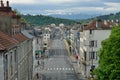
{"x": 77, "y": 69}
{"x": 74, "y": 63}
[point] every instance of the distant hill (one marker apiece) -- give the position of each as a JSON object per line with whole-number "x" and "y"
{"x": 41, "y": 20}
{"x": 111, "y": 16}
{"x": 79, "y": 16}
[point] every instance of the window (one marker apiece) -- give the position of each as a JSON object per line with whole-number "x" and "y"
{"x": 92, "y": 55}
{"x": 45, "y": 44}
{"x": 15, "y": 57}
{"x": 91, "y": 31}
{"x": 93, "y": 43}
{"x": 85, "y": 56}
{"x": 11, "y": 67}
{"x": 96, "y": 55}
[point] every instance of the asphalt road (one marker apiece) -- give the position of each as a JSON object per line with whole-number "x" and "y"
{"x": 58, "y": 66}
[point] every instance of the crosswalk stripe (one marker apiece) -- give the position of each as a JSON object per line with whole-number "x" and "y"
{"x": 69, "y": 69}
{"x": 59, "y": 69}
{"x": 66, "y": 69}
{"x": 72, "y": 69}
{"x": 50, "y": 68}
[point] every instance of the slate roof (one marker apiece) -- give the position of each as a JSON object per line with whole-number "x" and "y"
{"x": 27, "y": 34}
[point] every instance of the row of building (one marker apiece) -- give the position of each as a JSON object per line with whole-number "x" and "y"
{"x": 86, "y": 42}
{"x": 16, "y": 52}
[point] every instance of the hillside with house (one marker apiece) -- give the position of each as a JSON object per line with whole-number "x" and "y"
{"x": 109, "y": 17}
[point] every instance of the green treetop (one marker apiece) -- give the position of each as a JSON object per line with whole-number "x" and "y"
{"x": 109, "y": 54}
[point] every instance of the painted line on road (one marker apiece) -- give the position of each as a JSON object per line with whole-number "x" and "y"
{"x": 60, "y": 69}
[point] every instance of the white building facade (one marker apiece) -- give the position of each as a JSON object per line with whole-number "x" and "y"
{"x": 46, "y": 38}
{"x": 90, "y": 43}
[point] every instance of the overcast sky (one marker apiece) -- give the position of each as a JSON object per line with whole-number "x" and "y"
{"x": 62, "y": 7}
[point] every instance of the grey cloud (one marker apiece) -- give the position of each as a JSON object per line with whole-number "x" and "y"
{"x": 115, "y": 1}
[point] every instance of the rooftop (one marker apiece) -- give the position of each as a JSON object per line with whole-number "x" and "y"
{"x": 20, "y": 37}
{"x": 103, "y": 25}
{"x": 6, "y": 41}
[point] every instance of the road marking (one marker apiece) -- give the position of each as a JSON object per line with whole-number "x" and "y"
{"x": 50, "y": 68}
{"x": 72, "y": 69}
{"x": 60, "y": 69}
{"x": 69, "y": 69}
{"x": 65, "y": 68}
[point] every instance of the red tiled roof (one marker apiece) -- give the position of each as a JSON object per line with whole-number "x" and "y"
{"x": 20, "y": 37}
{"x": 1, "y": 47}
{"x": 92, "y": 25}
{"x": 6, "y": 41}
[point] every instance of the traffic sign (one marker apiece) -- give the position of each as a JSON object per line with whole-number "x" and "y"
{"x": 38, "y": 51}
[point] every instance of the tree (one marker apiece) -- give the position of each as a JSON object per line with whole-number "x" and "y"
{"x": 109, "y": 54}
{"x": 46, "y": 20}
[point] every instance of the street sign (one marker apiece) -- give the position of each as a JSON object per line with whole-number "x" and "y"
{"x": 38, "y": 51}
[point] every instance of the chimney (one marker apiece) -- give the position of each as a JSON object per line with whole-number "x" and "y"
{"x": 7, "y": 3}
{"x": 2, "y": 5}
{"x": 98, "y": 23}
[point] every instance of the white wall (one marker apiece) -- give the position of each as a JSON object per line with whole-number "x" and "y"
{"x": 99, "y": 36}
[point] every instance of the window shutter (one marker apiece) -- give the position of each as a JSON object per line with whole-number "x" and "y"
{"x": 95, "y": 43}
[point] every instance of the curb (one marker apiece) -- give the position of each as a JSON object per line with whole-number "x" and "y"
{"x": 78, "y": 74}
{"x": 67, "y": 47}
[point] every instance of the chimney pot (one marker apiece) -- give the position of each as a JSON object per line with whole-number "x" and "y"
{"x": 2, "y": 5}
{"x": 7, "y": 3}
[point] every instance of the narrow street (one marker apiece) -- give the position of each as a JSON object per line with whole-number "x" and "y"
{"x": 58, "y": 66}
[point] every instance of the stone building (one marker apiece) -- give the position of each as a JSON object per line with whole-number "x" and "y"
{"x": 15, "y": 46}
{"x": 8, "y": 57}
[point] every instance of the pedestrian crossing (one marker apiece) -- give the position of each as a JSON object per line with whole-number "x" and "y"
{"x": 60, "y": 69}
{"x": 57, "y": 69}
